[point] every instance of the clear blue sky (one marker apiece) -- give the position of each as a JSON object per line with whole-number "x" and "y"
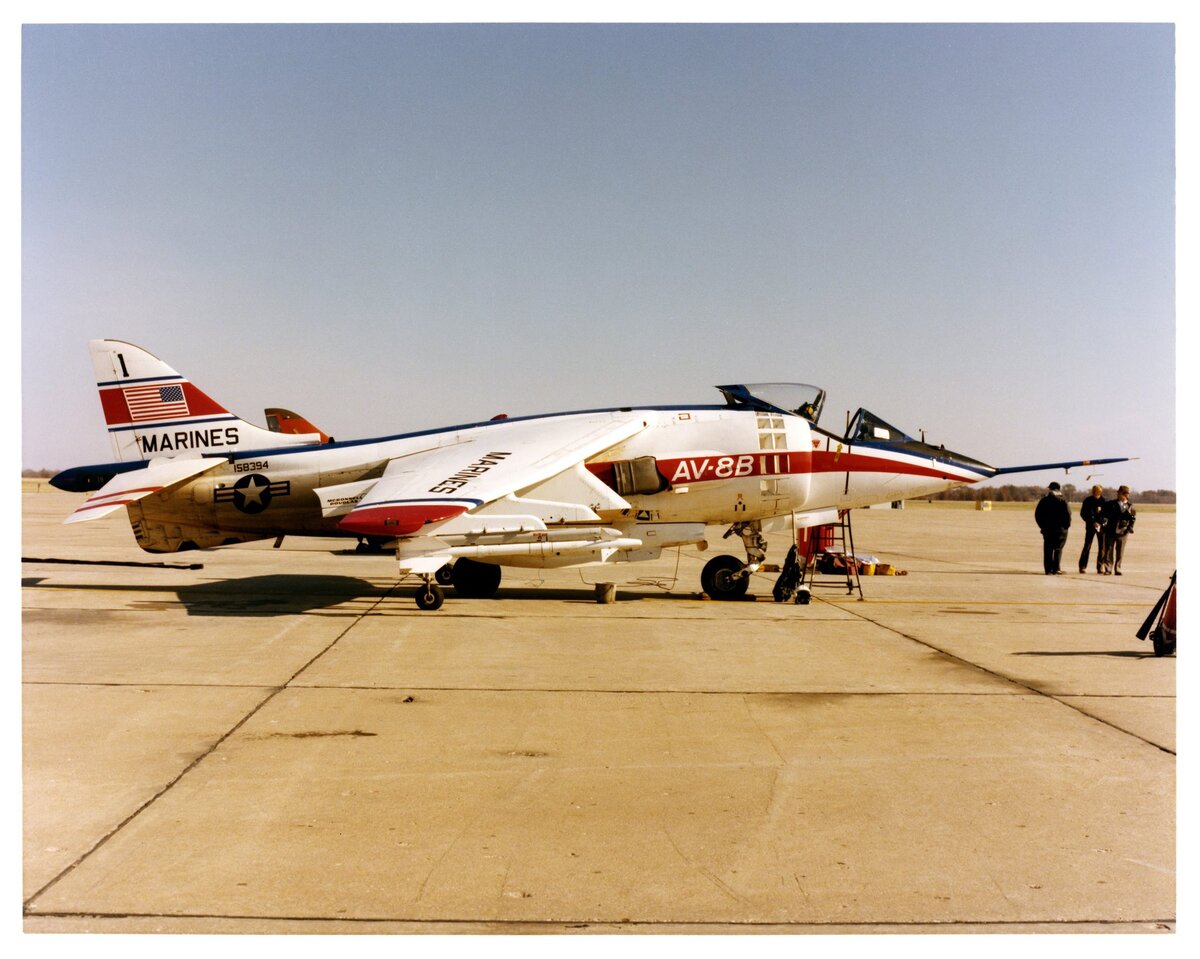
{"x": 968, "y": 229}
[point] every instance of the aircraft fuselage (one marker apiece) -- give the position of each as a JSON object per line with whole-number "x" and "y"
{"x": 710, "y": 466}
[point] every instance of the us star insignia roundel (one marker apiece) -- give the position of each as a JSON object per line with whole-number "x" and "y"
{"x": 253, "y": 493}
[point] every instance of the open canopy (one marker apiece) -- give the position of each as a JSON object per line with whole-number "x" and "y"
{"x": 798, "y": 399}
{"x": 867, "y": 429}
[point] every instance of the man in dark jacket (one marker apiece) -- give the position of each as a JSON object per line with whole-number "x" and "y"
{"x": 1092, "y": 515}
{"x": 1053, "y": 517}
{"x": 1119, "y": 517}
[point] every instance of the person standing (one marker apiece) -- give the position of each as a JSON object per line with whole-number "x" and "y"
{"x": 1091, "y": 513}
{"x": 1119, "y": 517}
{"x": 1053, "y": 517}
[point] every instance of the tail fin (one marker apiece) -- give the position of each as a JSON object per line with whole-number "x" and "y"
{"x": 151, "y": 410}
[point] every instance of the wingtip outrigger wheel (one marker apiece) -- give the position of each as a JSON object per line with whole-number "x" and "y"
{"x": 430, "y": 595}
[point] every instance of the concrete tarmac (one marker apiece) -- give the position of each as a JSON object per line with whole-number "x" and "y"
{"x": 278, "y": 740}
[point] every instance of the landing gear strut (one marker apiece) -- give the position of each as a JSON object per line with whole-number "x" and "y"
{"x": 727, "y": 577}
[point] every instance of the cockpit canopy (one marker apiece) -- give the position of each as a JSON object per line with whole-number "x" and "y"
{"x": 798, "y": 399}
{"x": 866, "y": 427}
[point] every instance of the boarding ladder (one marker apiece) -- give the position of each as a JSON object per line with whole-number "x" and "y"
{"x": 843, "y": 544}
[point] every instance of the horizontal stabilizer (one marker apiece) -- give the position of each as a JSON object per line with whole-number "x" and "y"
{"x": 129, "y": 487}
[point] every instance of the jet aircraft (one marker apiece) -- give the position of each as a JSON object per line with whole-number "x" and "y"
{"x": 457, "y": 504}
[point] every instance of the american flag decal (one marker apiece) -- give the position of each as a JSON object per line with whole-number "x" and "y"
{"x": 155, "y": 402}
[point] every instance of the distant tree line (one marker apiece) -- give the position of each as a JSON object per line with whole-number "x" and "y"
{"x": 1009, "y": 493}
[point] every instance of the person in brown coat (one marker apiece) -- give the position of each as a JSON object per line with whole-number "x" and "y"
{"x": 1119, "y": 517}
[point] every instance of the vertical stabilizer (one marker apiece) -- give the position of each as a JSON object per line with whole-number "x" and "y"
{"x": 151, "y": 410}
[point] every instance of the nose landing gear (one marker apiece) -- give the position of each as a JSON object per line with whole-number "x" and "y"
{"x": 727, "y": 577}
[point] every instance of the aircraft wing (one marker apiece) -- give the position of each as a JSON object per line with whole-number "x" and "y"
{"x": 486, "y": 464}
{"x": 128, "y": 487}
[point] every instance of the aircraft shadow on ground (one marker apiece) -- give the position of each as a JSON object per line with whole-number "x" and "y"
{"x": 573, "y": 594}
{"x": 277, "y": 595}
{"x": 1111, "y": 653}
{"x": 288, "y": 593}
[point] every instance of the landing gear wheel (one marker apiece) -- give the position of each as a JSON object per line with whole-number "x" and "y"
{"x": 430, "y": 596}
{"x": 720, "y": 580}
{"x": 445, "y": 575}
{"x": 474, "y": 580}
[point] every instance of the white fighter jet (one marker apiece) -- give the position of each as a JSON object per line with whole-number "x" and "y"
{"x": 456, "y": 504}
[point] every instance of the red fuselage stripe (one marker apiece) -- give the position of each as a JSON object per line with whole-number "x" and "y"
{"x": 699, "y": 469}
{"x": 828, "y": 461}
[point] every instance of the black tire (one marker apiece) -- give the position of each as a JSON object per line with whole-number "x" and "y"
{"x": 474, "y": 580}
{"x": 430, "y": 596}
{"x": 445, "y": 575}
{"x": 1162, "y": 645}
{"x": 718, "y": 578}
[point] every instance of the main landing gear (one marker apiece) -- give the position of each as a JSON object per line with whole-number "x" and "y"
{"x": 727, "y": 577}
{"x": 475, "y": 580}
